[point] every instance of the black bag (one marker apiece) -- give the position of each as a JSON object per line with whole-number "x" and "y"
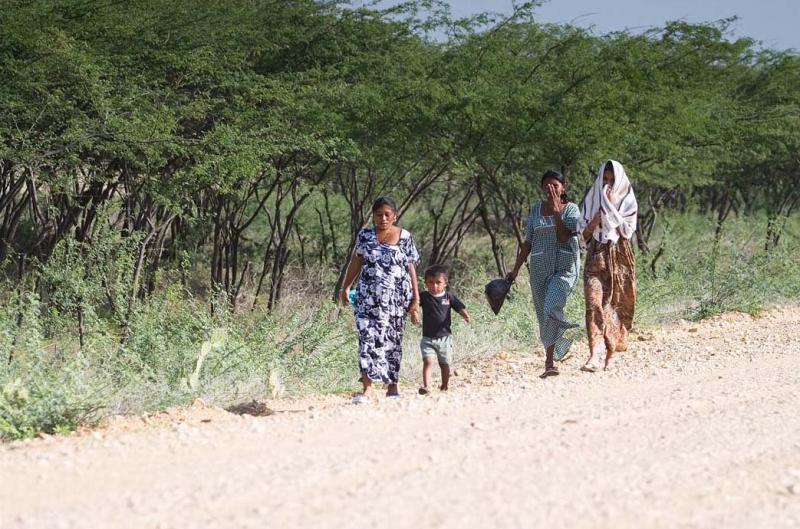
{"x": 496, "y": 291}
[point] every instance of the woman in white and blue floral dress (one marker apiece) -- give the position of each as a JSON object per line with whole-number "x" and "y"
{"x": 384, "y": 260}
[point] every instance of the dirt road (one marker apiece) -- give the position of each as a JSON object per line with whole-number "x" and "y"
{"x": 699, "y": 426}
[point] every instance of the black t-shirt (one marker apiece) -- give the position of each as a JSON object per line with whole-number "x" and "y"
{"x": 436, "y": 313}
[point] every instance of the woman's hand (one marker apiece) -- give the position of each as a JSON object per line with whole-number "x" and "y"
{"x": 589, "y": 230}
{"x": 596, "y": 220}
{"x": 344, "y": 298}
{"x": 555, "y": 199}
{"x": 413, "y": 312}
{"x": 353, "y": 270}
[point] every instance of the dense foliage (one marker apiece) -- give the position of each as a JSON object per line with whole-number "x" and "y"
{"x": 251, "y": 135}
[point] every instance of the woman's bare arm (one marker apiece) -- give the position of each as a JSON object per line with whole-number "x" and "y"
{"x": 589, "y": 230}
{"x": 522, "y": 254}
{"x": 353, "y": 269}
{"x": 413, "y": 309}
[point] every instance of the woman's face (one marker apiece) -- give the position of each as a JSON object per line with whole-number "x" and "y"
{"x": 559, "y": 187}
{"x": 608, "y": 177}
{"x": 384, "y": 217}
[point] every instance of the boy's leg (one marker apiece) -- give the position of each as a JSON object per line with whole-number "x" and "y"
{"x": 428, "y": 356}
{"x": 445, "y": 375}
{"x": 427, "y": 370}
{"x": 445, "y": 357}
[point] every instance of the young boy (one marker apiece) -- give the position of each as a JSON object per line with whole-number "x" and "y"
{"x": 437, "y": 341}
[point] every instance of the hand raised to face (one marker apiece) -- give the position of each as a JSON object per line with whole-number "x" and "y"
{"x": 554, "y": 198}
{"x": 610, "y": 195}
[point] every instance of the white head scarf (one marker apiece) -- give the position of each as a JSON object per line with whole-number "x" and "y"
{"x": 620, "y": 213}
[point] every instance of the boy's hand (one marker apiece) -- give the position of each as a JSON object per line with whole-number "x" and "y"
{"x": 465, "y": 315}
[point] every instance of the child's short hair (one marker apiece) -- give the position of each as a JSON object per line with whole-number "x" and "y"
{"x": 436, "y": 270}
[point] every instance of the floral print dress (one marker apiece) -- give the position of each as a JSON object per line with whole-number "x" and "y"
{"x": 382, "y": 299}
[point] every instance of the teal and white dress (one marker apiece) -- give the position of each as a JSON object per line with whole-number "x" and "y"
{"x": 554, "y": 269}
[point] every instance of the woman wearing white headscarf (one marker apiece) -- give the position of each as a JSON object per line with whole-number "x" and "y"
{"x": 607, "y": 222}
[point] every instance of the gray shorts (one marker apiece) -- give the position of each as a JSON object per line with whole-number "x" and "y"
{"x": 441, "y": 347}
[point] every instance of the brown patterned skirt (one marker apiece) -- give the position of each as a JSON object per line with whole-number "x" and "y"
{"x": 609, "y": 284}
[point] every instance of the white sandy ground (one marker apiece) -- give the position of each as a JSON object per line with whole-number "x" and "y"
{"x": 698, "y": 427}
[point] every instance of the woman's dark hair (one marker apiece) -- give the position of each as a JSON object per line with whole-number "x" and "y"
{"x": 550, "y": 173}
{"x": 384, "y": 201}
{"x": 609, "y": 166}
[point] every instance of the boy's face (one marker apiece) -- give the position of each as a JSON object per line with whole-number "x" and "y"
{"x": 436, "y": 285}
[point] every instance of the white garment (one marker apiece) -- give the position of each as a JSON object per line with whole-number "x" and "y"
{"x": 620, "y": 213}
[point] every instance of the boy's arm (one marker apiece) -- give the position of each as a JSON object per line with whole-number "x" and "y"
{"x": 458, "y": 306}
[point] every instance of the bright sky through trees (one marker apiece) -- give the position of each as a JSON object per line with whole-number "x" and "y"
{"x": 773, "y": 22}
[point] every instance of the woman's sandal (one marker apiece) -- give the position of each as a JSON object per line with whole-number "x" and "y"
{"x": 361, "y": 399}
{"x": 590, "y": 367}
{"x": 549, "y": 372}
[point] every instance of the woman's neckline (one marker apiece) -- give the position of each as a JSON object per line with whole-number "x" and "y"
{"x": 541, "y": 210}
{"x": 399, "y": 238}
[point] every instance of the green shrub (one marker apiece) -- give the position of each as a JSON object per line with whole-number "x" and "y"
{"x": 44, "y": 389}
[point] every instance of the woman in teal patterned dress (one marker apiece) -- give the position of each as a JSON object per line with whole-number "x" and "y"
{"x": 551, "y": 240}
